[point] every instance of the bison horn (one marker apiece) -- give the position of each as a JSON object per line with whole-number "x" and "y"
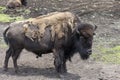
{"x": 77, "y": 31}
{"x": 95, "y": 27}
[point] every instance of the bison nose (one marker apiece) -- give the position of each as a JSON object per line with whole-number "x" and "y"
{"x": 89, "y": 51}
{"x": 10, "y": 6}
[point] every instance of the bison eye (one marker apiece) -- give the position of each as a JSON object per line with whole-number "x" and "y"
{"x": 81, "y": 37}
{"x": 94, "y": 34}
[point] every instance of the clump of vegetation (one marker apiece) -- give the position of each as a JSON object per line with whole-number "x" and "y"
{"x": 108, "y": 55}
{"x": 8, "y": 18}
{"x": 27, "y": 11}
{"x": 2, "y": 9}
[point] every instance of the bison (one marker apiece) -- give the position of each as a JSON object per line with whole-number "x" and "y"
{"x": 60, "y": 33}
{"x": 11, "y": 4}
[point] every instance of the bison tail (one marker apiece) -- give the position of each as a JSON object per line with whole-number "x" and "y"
{"x": 5, "y": 36}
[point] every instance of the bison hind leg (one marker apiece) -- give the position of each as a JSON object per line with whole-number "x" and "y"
{"x": 15, "y": 56}
{"x": 8, "y": 54}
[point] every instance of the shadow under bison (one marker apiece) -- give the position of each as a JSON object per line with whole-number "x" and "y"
{"x": 46, "y": 72}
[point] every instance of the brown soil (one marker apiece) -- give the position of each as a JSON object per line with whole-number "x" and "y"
{"x": 103, "y": 13}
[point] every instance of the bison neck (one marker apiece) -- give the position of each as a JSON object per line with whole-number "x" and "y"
{"x": 71, "y": 48}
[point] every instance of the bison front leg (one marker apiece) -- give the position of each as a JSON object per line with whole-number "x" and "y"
{"x": 59, "y": 61}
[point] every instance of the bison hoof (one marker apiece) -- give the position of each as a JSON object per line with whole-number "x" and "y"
{"x": 16, "y": 70}
{"x": 62, "y": 75}
{"x": 5, "y": 69}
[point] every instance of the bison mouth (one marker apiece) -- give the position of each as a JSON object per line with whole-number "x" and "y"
{"x": 84, "y": 57}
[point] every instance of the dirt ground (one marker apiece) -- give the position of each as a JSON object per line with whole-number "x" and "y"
{"x": 103, "y": 13}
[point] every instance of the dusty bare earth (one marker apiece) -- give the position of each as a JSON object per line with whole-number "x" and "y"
{"x": 103, "y": 13}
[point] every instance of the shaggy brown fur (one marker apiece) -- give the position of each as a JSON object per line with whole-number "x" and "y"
{"x": 60, "y": 33}
{"x": 57, "y": 21}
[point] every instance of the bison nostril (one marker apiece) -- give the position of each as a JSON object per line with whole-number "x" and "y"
{"x": 89, "y": 51}
{"x": 10, "y": 7}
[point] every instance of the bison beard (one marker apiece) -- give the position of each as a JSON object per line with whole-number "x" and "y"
{"x": 62, "y": 34}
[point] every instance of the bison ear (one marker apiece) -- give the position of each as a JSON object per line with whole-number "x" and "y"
{"x": 94, "y": 34}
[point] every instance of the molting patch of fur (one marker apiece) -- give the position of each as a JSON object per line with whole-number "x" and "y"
{"x": 59, "y": 22}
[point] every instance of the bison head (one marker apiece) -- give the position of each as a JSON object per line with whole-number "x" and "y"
{"x": 11, "y": 4}
{"x": 85, "y": 34}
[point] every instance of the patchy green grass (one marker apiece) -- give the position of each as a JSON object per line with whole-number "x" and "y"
{"x": 108, "y": 55}
{"x": 2, "y": 9}
{"x": 4, "y": 18}
{"x": 18, "y": 18}
{"x": 7, "y": 18}
{"x": 27, "y": 11}
{"x": 2, "y": 43}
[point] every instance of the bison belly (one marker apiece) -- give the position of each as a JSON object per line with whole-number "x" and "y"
{"x": 43, "y": 45}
